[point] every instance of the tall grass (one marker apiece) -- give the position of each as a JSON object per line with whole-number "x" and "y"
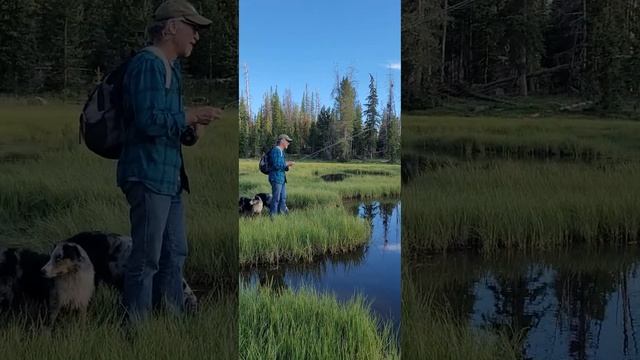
{"x": 212, "y": 330}
{"x": 306, "y": 325}
{"x": 300, "y": 236}
{"x": 508, "y": 205}
{"x": 51, "y": 187}
{"x": 576, "y": 138}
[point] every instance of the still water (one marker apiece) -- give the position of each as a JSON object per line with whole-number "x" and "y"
{"x": 372, "y": 270}
{"x": 581, "y": 304}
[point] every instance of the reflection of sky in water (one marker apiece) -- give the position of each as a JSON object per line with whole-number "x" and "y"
{"x": 374, "y": 273}
{"x": 567, "y": 334}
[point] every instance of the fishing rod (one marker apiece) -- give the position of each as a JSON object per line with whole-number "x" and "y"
{"x": 332, "y": 145}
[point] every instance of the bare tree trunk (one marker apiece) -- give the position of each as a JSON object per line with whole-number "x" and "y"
{"x": 444, "y": 39}
{"x": 523, "y": 72}
{"x": 65, "y": 52}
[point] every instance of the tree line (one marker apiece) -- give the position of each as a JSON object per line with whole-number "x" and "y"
{"x": 345, "y": 131}
{"x": 485, "y": 48}
{"x": 65, "y": 46}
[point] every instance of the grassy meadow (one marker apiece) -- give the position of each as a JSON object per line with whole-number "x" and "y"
{"x": 318, "y": 222}
{"x": 521, "y": 183}
{"x": 308, "y": 325}
{"x": 51, "y": 188}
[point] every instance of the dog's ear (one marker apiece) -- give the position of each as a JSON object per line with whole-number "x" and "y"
{"x": 71, "y": 252}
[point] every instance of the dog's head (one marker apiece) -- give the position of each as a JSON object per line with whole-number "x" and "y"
{"x": 256, "y": 200}
{"x": 65, "y": 259}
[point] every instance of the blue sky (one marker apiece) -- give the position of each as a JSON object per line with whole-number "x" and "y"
{"x": 290, "y": 43}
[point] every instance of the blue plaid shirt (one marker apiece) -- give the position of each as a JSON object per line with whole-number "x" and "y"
{"x": 152, "y": 152}
{"x": 278, "y": 166}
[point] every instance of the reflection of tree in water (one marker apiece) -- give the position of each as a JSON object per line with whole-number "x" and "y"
{"x": 582, "y": 301}
{"x": 519, "y": 300}
{"x": 386, "y": 211}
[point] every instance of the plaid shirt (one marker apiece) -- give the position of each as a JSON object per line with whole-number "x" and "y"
{"x": 152, "y": 152}
{"x": 278, "y": 166}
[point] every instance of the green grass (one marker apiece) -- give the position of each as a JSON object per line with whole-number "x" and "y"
{"x": 521, "y": 206}
{"x": 51, "y": 187}
{"x": 317, "y": 224}
{"x": 512, "y": 191}
{"x": 301, "y": 236}
{"x": 429, "y": 332}
{"x": 573, "y": 138}
{"x": 306, "y": 325}
{"x": 305, "y": 186}
{"x": 212, "y": 330}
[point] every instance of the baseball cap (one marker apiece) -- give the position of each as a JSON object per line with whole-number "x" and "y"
{"x": 180, "y": 9}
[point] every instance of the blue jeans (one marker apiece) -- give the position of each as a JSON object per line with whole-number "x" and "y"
{"x": 278, "y": 199}
{"x": 153, "y": 273}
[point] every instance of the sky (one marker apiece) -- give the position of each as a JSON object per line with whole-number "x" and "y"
{"x": 290, "y": 43}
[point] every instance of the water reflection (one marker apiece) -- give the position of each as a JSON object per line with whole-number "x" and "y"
{"x": 576, "y": 305}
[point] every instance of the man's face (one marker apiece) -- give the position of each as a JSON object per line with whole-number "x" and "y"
{"x": 186, "y": 37}
{"x": 285, "y": 143}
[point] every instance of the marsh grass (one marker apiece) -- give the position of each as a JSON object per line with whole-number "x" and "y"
{"x": 60, "y": 188}
{"x": 514, "y": 206}
{"x": 212, "y": 330}
{"x": 308, "y": 325}
{"x": 300, "y": 236}
{"x": 574, "y": 138}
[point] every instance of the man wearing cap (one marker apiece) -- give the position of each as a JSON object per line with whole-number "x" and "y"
{"x": 277, "y": 176}
{"x": 151, "y": 169}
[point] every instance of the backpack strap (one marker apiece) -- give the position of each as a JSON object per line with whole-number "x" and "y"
{"x": 167, "y": 67}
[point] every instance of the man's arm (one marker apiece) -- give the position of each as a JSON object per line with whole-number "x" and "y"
{"x": 150, "y": 109}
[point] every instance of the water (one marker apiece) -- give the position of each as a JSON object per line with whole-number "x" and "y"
{"x": 372, "y": 271}
{"x": 575, "y": 305}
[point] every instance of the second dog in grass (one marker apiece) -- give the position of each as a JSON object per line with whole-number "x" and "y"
{"x": 72, "y": 280}
{"x": 109, "y": 253}
{"x": 250, "y": 207}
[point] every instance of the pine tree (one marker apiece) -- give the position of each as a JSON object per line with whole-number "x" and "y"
{"x": 243, "y": 129}
{"x": 371, "y": 121}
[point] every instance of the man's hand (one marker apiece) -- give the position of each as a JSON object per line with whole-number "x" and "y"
{"x": 290, "y": 163}
{"x": 203, "y": 115}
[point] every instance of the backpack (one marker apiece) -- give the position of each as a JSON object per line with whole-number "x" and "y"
{"x": 103, "y": 125}
{"x": 265, "y": 166}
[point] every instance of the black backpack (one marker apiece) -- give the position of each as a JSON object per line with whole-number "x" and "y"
{"x": 264, "y": 165}
{"x": 102, "y": 122}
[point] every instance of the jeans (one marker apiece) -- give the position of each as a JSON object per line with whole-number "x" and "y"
{"x": 278, "y": 199}
{"x": 153, "y": 273}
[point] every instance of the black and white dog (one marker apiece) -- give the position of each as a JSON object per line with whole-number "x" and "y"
{"x": 63, "y": 280}
{"x": 250, "y": 207}
{"x": 72, "y": 280}
{"x": 109, "y": 253}
{"x": 266, "y": 199}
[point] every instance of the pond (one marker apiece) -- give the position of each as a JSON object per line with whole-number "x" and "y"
{"x": 579, "y": 304}
{"x": 372, "y": 270}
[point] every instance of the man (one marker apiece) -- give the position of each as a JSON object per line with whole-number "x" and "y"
{"x": 151, "y": 170}
{"x": 277, "y": 176}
